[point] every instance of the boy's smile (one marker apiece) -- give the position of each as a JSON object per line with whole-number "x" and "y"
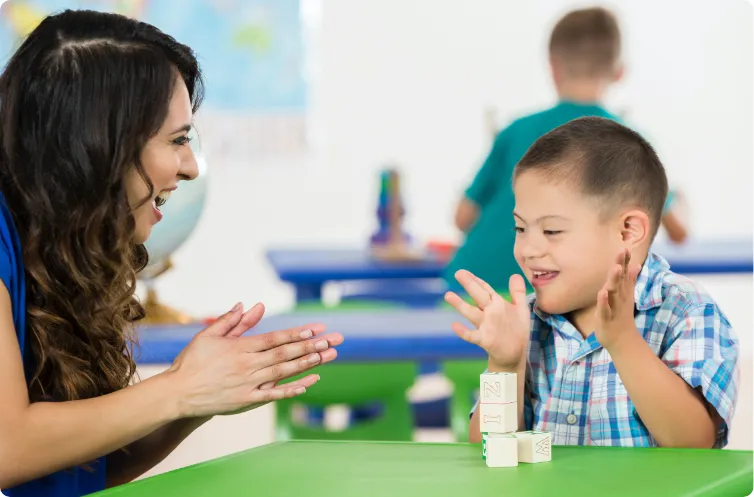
{"x": 562, "y": 245}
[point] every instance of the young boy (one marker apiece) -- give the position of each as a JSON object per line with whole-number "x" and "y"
{"x": 584, "y": 50}
{"x": 615, "y": 348}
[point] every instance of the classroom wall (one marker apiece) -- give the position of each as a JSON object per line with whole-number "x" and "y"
{"x": 410, "y": 81}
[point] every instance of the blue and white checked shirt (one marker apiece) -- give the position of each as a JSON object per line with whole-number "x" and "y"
{"x": 574, "y": 391}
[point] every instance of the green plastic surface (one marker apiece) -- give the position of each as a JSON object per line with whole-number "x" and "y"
{"x": 404, "y": 469}
{"x": 355, "y": 384}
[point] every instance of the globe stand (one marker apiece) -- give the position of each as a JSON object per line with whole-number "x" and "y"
{"x": 156, "y": 312}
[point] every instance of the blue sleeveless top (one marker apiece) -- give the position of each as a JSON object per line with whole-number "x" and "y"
{"x": 70, "y": 482}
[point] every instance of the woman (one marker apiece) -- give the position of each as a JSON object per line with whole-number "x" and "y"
{"x": 95, "y": 111}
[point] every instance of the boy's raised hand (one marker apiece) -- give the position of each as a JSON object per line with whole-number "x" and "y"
{"x": 503, "y": 328}
{"x": 615, "y": 302}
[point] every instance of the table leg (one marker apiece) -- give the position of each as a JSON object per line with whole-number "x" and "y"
{"x": 307, "y": 292}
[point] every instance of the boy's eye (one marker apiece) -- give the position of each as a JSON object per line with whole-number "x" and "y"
{"x": 552, "y": 232}
{"x": 518, "y": 229}
{"x": 182, "y": 140}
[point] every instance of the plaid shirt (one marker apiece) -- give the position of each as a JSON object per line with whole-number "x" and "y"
{"x": 574, "y": 392}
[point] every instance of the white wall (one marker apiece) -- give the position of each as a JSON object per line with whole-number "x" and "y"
{"x": 409, "y": 81}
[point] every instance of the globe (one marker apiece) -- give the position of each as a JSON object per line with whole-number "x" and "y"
{"x": 180, "y": 216}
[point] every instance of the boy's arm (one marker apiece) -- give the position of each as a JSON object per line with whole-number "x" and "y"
{"x": 674, "y": 227}
{"x": 485, "y": 184}
{"x": 685, "y": 398}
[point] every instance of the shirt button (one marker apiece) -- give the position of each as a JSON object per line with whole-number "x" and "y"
{"x": 571, "y": 419}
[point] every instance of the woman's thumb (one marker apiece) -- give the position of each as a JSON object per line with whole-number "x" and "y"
{"x": 225, "y": 323}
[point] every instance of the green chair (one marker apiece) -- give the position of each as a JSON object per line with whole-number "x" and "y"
{"x": 464, "y": 375}
{"x": 355, "y": 385}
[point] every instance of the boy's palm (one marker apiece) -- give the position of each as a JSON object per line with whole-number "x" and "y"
{"x": 503, "y": 328}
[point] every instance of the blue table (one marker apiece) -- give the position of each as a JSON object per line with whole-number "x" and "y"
{"x": 387, "y": 335}
{"x": 309, "y": 270}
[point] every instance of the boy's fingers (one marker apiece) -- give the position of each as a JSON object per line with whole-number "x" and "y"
{"x": 517, "y": 289}
{"x": 603, "y": 305}
{"x": 487, "y": 288}
{"x": 469, "y": 282}
{"x": 613, "y": 277}
{"x": 464, "y": 333}
{"x": 467, "y": 310}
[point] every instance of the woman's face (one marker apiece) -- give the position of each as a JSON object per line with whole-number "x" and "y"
{"x": 167, "y": 159}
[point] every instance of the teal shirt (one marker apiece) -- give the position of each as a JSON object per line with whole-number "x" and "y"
{"x": 488, "y": 249}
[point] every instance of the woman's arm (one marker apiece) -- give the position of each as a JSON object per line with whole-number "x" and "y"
{"x": 212, "y": 374}
{"x": 44, "y": 437}
{"x": 144, "y": 454}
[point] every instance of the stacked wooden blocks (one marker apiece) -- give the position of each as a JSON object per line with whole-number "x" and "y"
{"x": 502, "y": 445}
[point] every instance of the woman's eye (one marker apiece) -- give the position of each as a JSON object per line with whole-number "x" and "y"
{"x": 182, "y": 140}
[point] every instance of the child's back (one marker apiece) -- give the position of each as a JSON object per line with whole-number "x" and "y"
{"x": 584, "y": 57}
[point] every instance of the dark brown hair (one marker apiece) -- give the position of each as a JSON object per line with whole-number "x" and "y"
{"x": 586, "y": 42}
{"x": 605, "y": 160}
{"x": 78, "y": 101}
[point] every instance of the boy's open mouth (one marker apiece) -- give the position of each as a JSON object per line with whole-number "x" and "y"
{"x": 543, "y": 277}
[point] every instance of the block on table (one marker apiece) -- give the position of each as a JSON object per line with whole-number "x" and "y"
{"x": 534, "y": 446}
{"x": 498, "y": 418}
{"x": 499, "y": 450}
{"x": 498, "y": 388}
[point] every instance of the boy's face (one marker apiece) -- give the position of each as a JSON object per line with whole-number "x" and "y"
{"x": 563, "y": 247}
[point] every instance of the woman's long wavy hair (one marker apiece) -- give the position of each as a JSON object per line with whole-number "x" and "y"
{"x": 78, "y": 101}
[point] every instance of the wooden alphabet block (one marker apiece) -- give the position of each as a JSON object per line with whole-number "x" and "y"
{"x": 534, "y": 446}
{"x": 498, "y": 388}
{"x": 498, "y": 418}
{"x": 499, "y": 450}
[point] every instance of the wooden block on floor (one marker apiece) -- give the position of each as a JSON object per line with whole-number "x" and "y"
{"x": 498, "y": 418}
{"x": 499, "y": 450}
{"x": 534, "y": 446}
{"x": 498, "y": 388}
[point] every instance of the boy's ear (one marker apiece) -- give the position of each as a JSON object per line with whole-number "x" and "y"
{"x": 635, "y": 228}
{"x": 554, "y": 71}
{"x": 619, "y": 72}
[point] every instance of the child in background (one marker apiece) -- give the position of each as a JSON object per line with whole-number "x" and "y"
{"x": 612, "y": 348}
{"x": 584, "y": 51}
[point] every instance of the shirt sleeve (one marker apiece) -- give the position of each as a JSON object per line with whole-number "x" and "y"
{"x": 669, "y": 201}
{"x": 490, "y": 175}
{"x": 704, "y": 352}
{"x": 5, "y": 265}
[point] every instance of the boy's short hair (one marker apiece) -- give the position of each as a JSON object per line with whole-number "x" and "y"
{"x": 606, "y": 161}
{"x": 587, "y": 42}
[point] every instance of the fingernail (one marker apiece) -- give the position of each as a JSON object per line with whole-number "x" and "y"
{"x": 299, "y": 390}
{"x": 236, "y": 307}
{"x": 305, "y": 334}
{"x": 314, "y": 358}
{"x": 321, "y": 345}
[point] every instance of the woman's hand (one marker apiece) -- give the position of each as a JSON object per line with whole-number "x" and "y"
{"x": 222, "y": 372}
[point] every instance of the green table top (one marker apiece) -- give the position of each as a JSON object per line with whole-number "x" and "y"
{"x": 395, "y": 469}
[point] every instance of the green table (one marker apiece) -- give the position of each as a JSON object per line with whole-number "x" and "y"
{"x": 395, "y": 469}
